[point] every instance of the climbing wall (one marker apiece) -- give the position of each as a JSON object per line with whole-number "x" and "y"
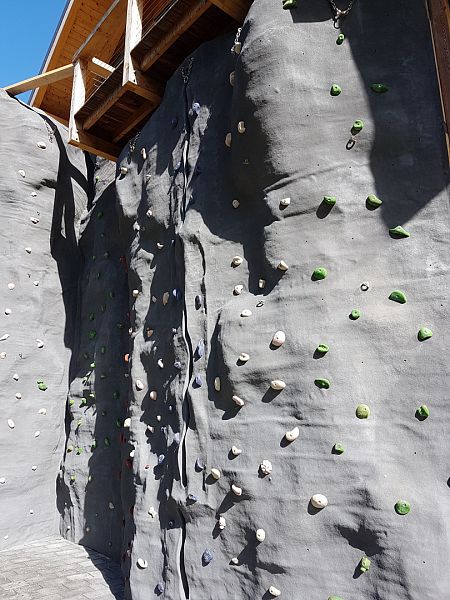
{"x": 43, "y": 191}
{"x": 285, "y": 212}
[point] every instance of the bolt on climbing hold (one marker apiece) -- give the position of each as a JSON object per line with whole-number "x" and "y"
{"x": 34, "y": 220}
{"x": 153, "y": 395}
{"x": 335, "y": 89}
{"x": 235, "y": 203}
{"x": 11, "y": 286}
{"x": 398, "y": 296}
{"x": 355, "y": 314}
{"x": 262, "y": 284}
{"x": 39, "y": 343}
{"x": 42, "y": 411}
{"x": 222, "y": 523}
{"x": 2, "y": 354}
{"x": 165, "y": 298}
{"x": 41, "y": 145}
{"x": 278, "y": 339}
{"x": 423, "y": 412}
{"x": 232, "y": 77}
{"x": 215, "y": 473}
{"x": 228, "y": 140}
{"x": 399, "y": 232}
{"x": 18, "y": 396}
{"x": 238, "y": 401}
{"x": 275, "y": 592}
{"x": 246, "y": 313}
{"x": 198, "y": 301}
{"x": 160, "y": 363}
{"x": 379, "y": 88}
{"x": 236, "y": 261}
{"x": 282, "y": 266}
{"x": 237, "y": 491}
{"x": 357, "y": 126}
{"x": 402, "y": 507}
{"x": 329, "y": 200}
{"x": 21, "y": 172}
{"x": 135, "y": 293}
{"x": 2, "y": 480}
{"x": 424, "y": 334}
{"x": 364, "y": 287}
{"x": 265, "y": 467}
{"x": 237, "y": 47}
{"x": 288, "y": 4}
{"x": 198, "y": 382}
{"x": 362, "y": 411}
{"x": 277, "y": 384}
{"x": 142, "y": 563}
{"x": 11, "y": 424}
{"x": 123, "y": 170}
{"x": 235, "y": 451}
{"x": 322, "y": 348}
{"x": 373, "y": 201}
{"x": 260, "y": 535}
{"x": 364, "y": 564}
{"x": 319, "y": 273}
{"x": 292, "y": 434}
{"x": 41, "y": 385}
{"x": 338, "y": 448}
{"x": 241, "y": 127}
{"x": 207, "y": 557}
{"x": 4, "y": 337}
{"x": 340, "y": 39}
{"x": 284, "y": 202}
{"x": 8, "y": 311}
{"x": 244, "y": 357}
{"x": 217, "y": 384}
{"x": 319, "y": 501}
{"x": 334, "y": 598}
{"x": 28, "y": 250}
{"x": 139, "y": 385}
{"x": 238, "y": 289}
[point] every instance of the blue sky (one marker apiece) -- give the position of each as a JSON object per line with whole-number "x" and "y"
{"x": 26, "y": 31}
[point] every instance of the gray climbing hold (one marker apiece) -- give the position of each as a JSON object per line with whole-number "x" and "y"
{"x": 237, "y": 491}
{"x": 139, "y": 385}
{"x": 238, "y": 289}
{"x": 11, "y": 424}
{"x": 34, "y": 220}
{"x": 228, "y": 140}
{"x": 238, "y": 401}
{"x": 282, "y": 266}
{"x": 237, "y": 260}
{"x": 244, "y": 357}
{"x": 123, "y": 170}
{"x": 260, "y": 535}
{"x": 11, "y": 286}
{"x": 232, "y": 78}
{"x": 235, "y": 203}
{"x": 200, "y": 350}
{"x": 241, "y": 127}
{"x": 277, "y": 384}
{"x": 217, "y": 384}
{"x": 246, "y": 313}
{"x": 275, "y": 592}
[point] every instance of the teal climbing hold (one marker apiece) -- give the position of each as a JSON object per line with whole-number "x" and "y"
{"x": 364, "y": 564}
{"x": 338, "y": 448}
{"x": 340, "y": 39}
{"x": 373, "y": 201}
{"x": 92, "y": 334}
{"x": 335, "y": 89}
{"x": 357, "y": 126}
{"x": 424, "y": 334}
{"x": 41, "y": 385}
{"x": 322, "y": 383}
{"x": 322, "y": 348}
{"x": 330, "y": 200}
{"x": 319, "y": 273}
{"x": 379, "y": 88}
{"x": 399, "y": 232}
{"x": 423, "y": 412}
{"x": 398, "y": 296}
{"x": 288, "y": 4}
{"x": 355, "y": 314}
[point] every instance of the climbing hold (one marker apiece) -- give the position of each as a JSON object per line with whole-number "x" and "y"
{"x": 215, "y": 473}
{"x": 92, "y": 335}
{"x": 192, "y": 498}
{"x": 379, "y": 88}
{"x": 11, "y": 286}
{"x": 402, "y": 507}
{"x": 228, "y": 140}
{"x": 139, "y": 385}
{"x": 322, "y": 348}
{"x": 34, "y": 468}
{"x": 288, "y": 4}
{"x": 362, "y": 411}
{"x": 207, "y": 557}
{"x": 424, "y": 334}
{"x": 217, "y": 384}
{"x": 285, "y": 202}
{"x": 238, "y": 401}
{"x": 235, "y": 203}
{"x": 232, "y": 78}
{"x": 277, "y": 384}
{"x": 2, "y": 354}
{"x": 246, "y": 313}
{"x": 338, "y": 448}
{"x": 200, "y": 349}
{"x": 160, "y": 363}
{"x": 340, "y": 40}
{"x": 107, "y": 441}
{"x": 198, "y": 301}
{"x": 357, "y": 126}
{"x": 11, "y": 424}
{"x": 273, "y": 591}
{"x": 8, "y": 311}
{"x": 399, "y": 232}
{"x": 278, "y": 339}
{"x": 335, "y": 89}
{"x": 36, "y": 283}
{"x": 42, "y": 145}
{"x": 329, "y": 200}
{"x": 21, "y": 172}
{"x": 364, "y": 286}
{"x": 241, "y": 127}
{"x": 334, "y": 598}
{"x": 161, "y": 458}
{"x": 19, "y": 396}
{"x": 373, "y": 201}
{"x": 292, "y": 434}
{"x": 319, "y": 501}
{"x": 16, "y": 377}
{"x": 142, "y": 563}
{"x": 42, "y": 411}
{"x": 135, "y": 293}
{"x": 2, "y": 480}
{"x": 222, "y": 523}
{"x": 282, "y": 266}
{"x": 244, "y": 357}
{"x": 397, "y": 296}
{"x": 364, "y": 564}
{"x": 262, "y": 284}
{"x": 423, "y": 412}
{"x": 238, "y": 289}
{"x": 144, "y": 153}
{"x": 237, "y": 491}
{"x": 235, "y": 451}
{"x": 153, "y": 395}
{"x": 123, "y": 170}
{"x": 260, "y": 535}
{"x": 28, "y": 250}
{"x": 265, "y": 467}
{"x": 41, "y": 385}
{"x": 322, "y": 383}
{"x": 234, "y": 560}
{"x": 195, "y": 108}
{"x": 355, "y": 314}
{"x": 236, "y": 261}
{"x": 34, "y": 220}
{"x": 198, "y": 380}
{"x": 237, "y": 46}
{"x": 4, "y": 337}
{"x": 165, "y": 298}
{"x": 319, "y": 273}
{"x": 40, "y": 343}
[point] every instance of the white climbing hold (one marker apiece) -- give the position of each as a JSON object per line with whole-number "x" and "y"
{"x": 319, "y": 501}
{"x": 282, "y": 266}
{"x": 11, "y": 424}
{"x": 158, "y": 418}
{"x": 235, "y": 560}
{"x": 154, "y": 299}
{"x": 36, "y": 283}
{"x": 144, "y": 153}
{"x": 265, "y": 467}
{"x": 275, "y": 592}
{"x": 236, "y": 490}
{"x": 237, "y": 47}
{"x": 8, "y": 311}
{"x": 215, "y": 473}
{"x": 123, "y": 170}
{"x": 262, "y": 284}
{"x": 278, "y": 339}
{"x": 4, "y": 337}
{"x": 2, "y": 480}
{"x": 222, "y": 523}
{"x": 142, "y": 563}
{"x": 277, "y": 384}
{"x": 232, "y": 77}
{"x": 235, "y": 451}
{"x": 21, "y": 172}
{"x": 42, "y": 145}
{"x": 153, "y": 395}
{"x": 42, "y": 411}
{"x": 28, "y": 250}
{"x": 246, "y": 313}
{"x": 135, "y": 293}
{"x": 235, "y": 203}
{"x": 37, "y": 434}
{"x": 238, "y": 401}
{"x": 139, "y": 385}
{"x": 149, "y": 213}
{"x": 217, "y": 384}
{"x": 292, "y": 434}
{"x": 34, "y": 220}
{"x": 2, "y": 354}
{"x": 244, "y": 357}
{"x": 161, "y": 363}
{"x": 34, "y": 467}
{"x": 11, "y": 286}
{"x": 40, "y": 343}
{"x": 165, "y": 298}
{"x": 285, "y": 202}
{"x": 238, "y": 289}
{"x": 241, "y": 127}
{"x": 111, "y": 506}
{"x": 16, "y": 377}
{"x": 19, "y": 396}
{"x": 132, "y": 453}
{"x": 228, "y": 140}
{"x": 260, "y": 535}
{"x": 236, "y": 261}
{"x": 127, "y": 422}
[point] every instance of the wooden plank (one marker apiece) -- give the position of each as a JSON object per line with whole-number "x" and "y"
{"x": 104, "y": 107}
{"x": 78, "y": 97}
{"x": 96, "y": 145}
{"x": 133, "y": 35}
{"x": 105, "y": 36}
{"x": 136, "y": 117}
{"x": 439, "y": 15}
{"x": 99, "y": 67}
{"x": 191, "y": 16}
{"x": 233, "y": 8}
{"x": 40, "y": 80}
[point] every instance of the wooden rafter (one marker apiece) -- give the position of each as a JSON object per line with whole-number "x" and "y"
{"x": 99, "y": 67}
{"x": 233, "y": 8}
{"x": 40, "y": 80}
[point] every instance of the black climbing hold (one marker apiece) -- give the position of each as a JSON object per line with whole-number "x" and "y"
{"x": 198, "y": 302}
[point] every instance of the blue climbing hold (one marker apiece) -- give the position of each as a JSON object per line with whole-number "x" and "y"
{"x": 206, "y": 557}
{"x": 200, "y": 350}
{"x": 192, "y": 498}
{"x": 177, "y": 364}
{"x": 161, "y": 459}
{"x": 176, "y": 293}
{"x": 196, "y": 108}
{"x": 198, "y": 381}
{"x": 160, "y": 587}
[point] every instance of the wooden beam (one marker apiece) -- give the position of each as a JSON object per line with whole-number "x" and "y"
{"x": 145, "y": 87}
{"x": 99, "y": 67}
{"x": 191, "y": 16}
{"x": 439, "y": 15}
{"x": 137, "y": 116}
{"x": 104, "y": 107}
{"x": 233, "y": 8}
{"x": 94, "y": 144}
{"x": 133, "y": 35}
{"x": 78, "y": 97}
{"x": 40, "y": 80}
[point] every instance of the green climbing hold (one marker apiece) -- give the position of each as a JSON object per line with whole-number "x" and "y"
{"x": 322, "y": 348}
{"x": 423, "y": 412}
{"x": 99, "y": 214}
{"x": 335, "y": 89}
{"x": 364, "y": 564}
{"x": 71, "y": 402}
{"x": 373, "y": 201}
{"x": 79, "y": 451}
{"x": 362, "y": 411}
{"x": 398, "y": 296}
{"x": 116, "y": 395}
{"x": 92, "y": 365}
{"x": 107, "y": 441}
{"x": 330, "y": 200}
{"x": 355, "y": 314}
{"x": 94, "y": 445}
{"x": 338, "y": 448}
{"x": 119, "y": 422}
{"x": 72, "y": 477}
{"x": 340, "y": 40}
{"x": 322, "y": 383}
{"x": 92, "y": 335}
{"x": 91, "y": 317}
{"x": 357, "y": 126}
{"x": 288, "y": 4}
{"x": 424, "y": 334}
{"x": 83, "y": 402}
{"x": 379, "y": 88}
{"x": 41, "y": 385}
{"x": 399, "y": 232}
{"x": 402, "y": 507}
{"x": 334, "y": 598}
{"x": 319, "y": 273}
{"x": 79, "y": 422}
{"x": 103, "y": 349}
